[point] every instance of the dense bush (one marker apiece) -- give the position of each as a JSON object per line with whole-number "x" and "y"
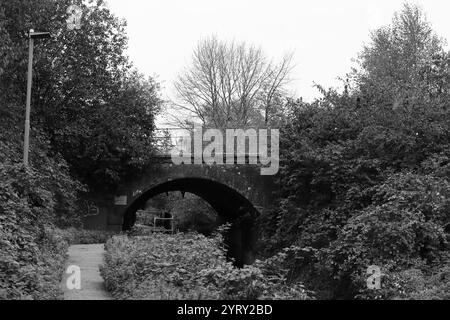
{"x": 92, "y": 118}
{"x": 83, "y": 236}
{"x": 380, "y": 196}
{"x": 417, "y": 283}
{"x": 33, "y": 250}
{"x": 189, "y": 266}
{"x": 32, "y": 253}
{"x": 33, "y": 202}
{"x": 364, "y": 173}
{"x": 146, "y": 217}
{"x": 190, "y": 212}
{"x": 194, "y": 214}
{"x": 32, "y": 270}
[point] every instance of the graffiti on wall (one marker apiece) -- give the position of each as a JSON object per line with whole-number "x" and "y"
{"x": 90, "y": 209}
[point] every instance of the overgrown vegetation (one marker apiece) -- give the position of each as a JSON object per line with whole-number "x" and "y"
{"x": 33, "y": 201}
{"x": 83, "y": 236}
{"x": 365, "y": 173}
{"x": 364, "y": 176}
{"x": 32, "y": 252}
{"x": 96, "y": 110}
{"x": 190, "y": 212}
{"x": 91, "y": 124}
{"x": 190, "y": 266}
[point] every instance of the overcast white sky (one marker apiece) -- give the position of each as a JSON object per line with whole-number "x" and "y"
{"x": 323, "y": 34}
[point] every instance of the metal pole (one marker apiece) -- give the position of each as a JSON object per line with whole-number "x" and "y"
{"x": 26, "y": 142}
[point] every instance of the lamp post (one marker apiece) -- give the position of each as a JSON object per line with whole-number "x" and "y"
{"x": 26, "y": 143}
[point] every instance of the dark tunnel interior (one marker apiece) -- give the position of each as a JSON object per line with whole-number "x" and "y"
{"x": 229, "y": 204}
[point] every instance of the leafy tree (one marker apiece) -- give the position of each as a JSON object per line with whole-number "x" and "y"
{"x": 98, "y": 111}
{"x": 364, "y": 173}
{"x": 402, "y": 66}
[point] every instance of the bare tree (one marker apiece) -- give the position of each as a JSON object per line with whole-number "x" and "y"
{"x": 231, "y": 84}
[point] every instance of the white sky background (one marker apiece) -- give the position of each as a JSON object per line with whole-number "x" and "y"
{"x": 325, "y": 35}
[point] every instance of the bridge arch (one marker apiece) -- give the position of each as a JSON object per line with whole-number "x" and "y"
{"x": 227, "y": 188}
{"x": 230, "y": 205}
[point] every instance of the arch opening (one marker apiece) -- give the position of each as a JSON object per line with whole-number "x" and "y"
{"x": 230, "y": 206}
{"x": 188, "y": 212}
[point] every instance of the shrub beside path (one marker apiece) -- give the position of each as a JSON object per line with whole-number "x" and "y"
{"x": 88, "y": 257}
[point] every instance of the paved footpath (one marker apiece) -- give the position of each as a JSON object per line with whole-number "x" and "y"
{"x": 88, "y": 257}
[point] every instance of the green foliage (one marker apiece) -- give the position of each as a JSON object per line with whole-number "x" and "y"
{"x": 189, "y": 266}
{"x": 97, "y": 111}
{"x": 405, "y": 63}
{"x": 32, "y": 253}
{"x": 83, "y": 236}
{"x": 190, "y": 212}
{"x": 166, "y": 264}
{"x": 92, "y": 117}
{"x": 417, "y": 283}
{"x": 194, "y": 214}
{"x": 364, "y": 173}
{"x": 31, "y": 263}
{"x": 435, "y": 286}
{"x": 32, "y": 202}
{"x": 145, "y": 217}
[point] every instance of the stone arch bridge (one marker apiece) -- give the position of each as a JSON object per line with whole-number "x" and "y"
{"x": 237, "y": 192}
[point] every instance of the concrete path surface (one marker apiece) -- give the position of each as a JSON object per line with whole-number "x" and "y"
{"x": 88, "y": 257}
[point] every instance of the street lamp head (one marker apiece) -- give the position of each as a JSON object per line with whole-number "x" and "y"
{"x": 39, "y": 35}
